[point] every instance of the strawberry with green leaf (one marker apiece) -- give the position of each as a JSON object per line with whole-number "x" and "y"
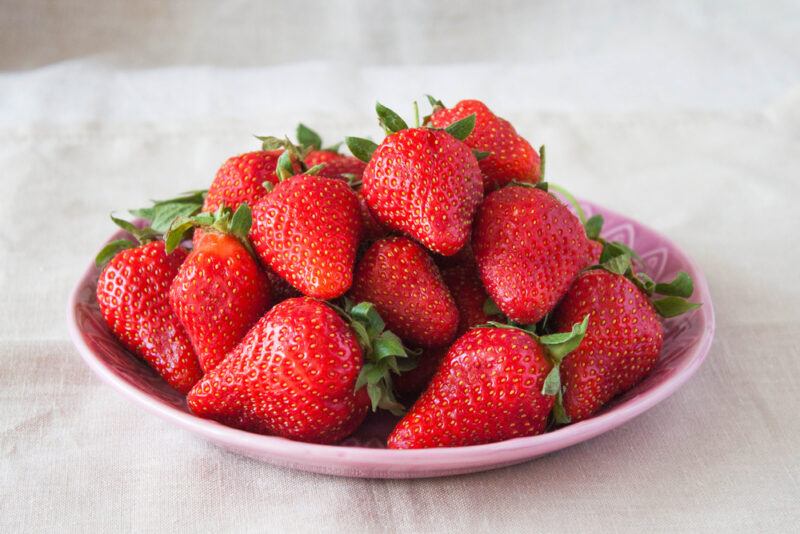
{"x": 424, "y": 182}
{"x": 495, "y": 383}
{"x": 133, "y": 296}
{"x": 220, "y": 290}
{"x": 307, "y": 230}
{"x": 507, "y": 155}
{"x": 305, "y": 371}
{"x": 401, "y": 280}
{"x": 625, "y": 335}
{"x": 336, "y": 165}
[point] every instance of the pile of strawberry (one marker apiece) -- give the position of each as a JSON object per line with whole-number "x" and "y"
{"x": 433, "y": 271}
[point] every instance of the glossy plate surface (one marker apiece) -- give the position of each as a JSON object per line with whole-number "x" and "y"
{"x": 688, "y": 339}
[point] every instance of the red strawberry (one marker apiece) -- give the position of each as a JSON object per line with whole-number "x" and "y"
{"x": 220, "y": 290}
{"x": 133, "y": 295}
{"x": 411, "y": 383}
{"x": 293, "y": 375}
{"x": 241, "y": 179}
{"x": 488, "y": 388}
{"x": 510, "y": 156}
{"x": 529, "y": 248}
{"x": 467, "y": 290}
{"x": 281, "y": 289}
{"x": 624, "y": 336}
{"x": 423, "y": 182}
{"x": 336, "y": 165}
{"x": 307, "y": 230}
{"x": 372, "y": 228}
{"x": 401, "y": 280}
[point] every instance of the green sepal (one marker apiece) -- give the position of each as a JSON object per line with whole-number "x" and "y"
{"x": 617, "y": 264}
{"x": 542, "y": 162}
{"x": 681, "y": 286}
{"x": 284, "y": 168}
{"x": 142, "y": 235}
{"x": 241, "y": 221}
{"x": 559, "y": 412}
{"x": 435, "y": 103}
{"x": 673, "y": 306}
{"x": 308, "y": 138}
{"x": 490, "y": 307}
{"x": 561, "y": 344}
{"x": 313, "y": 171}
{"x": 388, "y": 344}
{"x": 112, "y": 249}
{"x": 462, "y": 128}
{"x": 163, "y": 212}
{"x": 644, "y": 283}
{"x": 384, "y": 354}
{"x": 270, "y": 142}
{"x": 236, "y": 224}
{"x": 389, "y": 120}
{"x": 552, "y": 382}
{"x": 175, "y": 234}
{"x": 571, "y": 199}
{"x": 361, "y": 148}
{"x": 481, "y": 154}
{"x": 593, "y": 226}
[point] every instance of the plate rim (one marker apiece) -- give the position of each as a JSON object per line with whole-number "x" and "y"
{"x": 438, "y": 459}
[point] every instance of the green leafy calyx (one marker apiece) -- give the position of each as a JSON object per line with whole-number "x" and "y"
{"x": 462, "y": 128}
{"x": 390, "y": 121}
{"x": 141, "y": 235}
{"x": 224, "y": 220}
{"x": 360, "y": 147}
{"x": 163, "y": 212}
{"x": 384, "y": 354}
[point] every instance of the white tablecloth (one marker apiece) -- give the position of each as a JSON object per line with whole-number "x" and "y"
{"x": 687, "y": 118}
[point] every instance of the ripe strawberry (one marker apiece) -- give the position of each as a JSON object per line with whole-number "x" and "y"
{"x": 301, "y": 372}
{"x": 280, "y": 288}
{"x": 336, "y": 165}
{"x": 293, "y": 375}
{"x": 307, "y": 230}
{"x": 624, "y": 337}
{"x": 241, "y": 179}
{"x": 467, "y": 290}
{"x": 401, "y": 280}
{"x": 133, "y": 296}
{"x": 423, "y": 182}
{"x": 220, "y": 290}
{"x": 411, "y": 383}
{"x": 528, "y": 248}
{"x": 510, "y": 156}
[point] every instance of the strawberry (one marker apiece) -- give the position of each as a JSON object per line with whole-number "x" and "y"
{"x": 220, "y": 290}
{"x": 299, "y": 373}
{"x": 467, "y": 290}
{"x": 423, "y": 182}
{"x": 336, "y": 165}
{"x": 401, "y": 280}
{"x": 241, "y": 179}
{"x": 411, "y": 383}
{"x": 491, "y": 385}
{"x": 508, "y": 155}
{"x": 528, "y": 248}
{"x": 133, "y": 296}
{"x": 307, "y": 230}
{"x": 625, "y": 334}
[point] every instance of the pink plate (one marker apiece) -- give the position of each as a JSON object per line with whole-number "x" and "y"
{"x": 688, "y": 339}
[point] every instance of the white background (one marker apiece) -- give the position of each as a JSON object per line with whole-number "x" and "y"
{"x": 684, "y": 115}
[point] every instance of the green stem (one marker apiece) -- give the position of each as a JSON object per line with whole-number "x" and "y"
{"x": 571, "y": 199}
{"x": 416, "y": 114}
